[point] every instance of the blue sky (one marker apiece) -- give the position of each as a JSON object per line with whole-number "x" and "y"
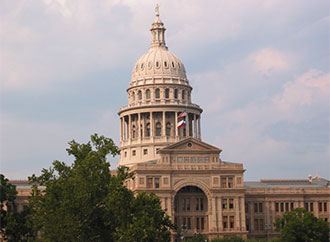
{"x": 259, "y": 69}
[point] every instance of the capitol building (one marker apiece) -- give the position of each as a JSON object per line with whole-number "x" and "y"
{"x": 161, "y": 142}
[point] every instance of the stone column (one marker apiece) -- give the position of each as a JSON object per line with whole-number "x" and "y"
{"x": 213, "y": 225}
{"x": 151, "y": 126}
{"x": 267, "y": 213}
{"x": 236, "y": 208}
{"x": 129, "y": 126}
{"x": 187, "y": 125}
{"x": 195, "y": 126}
{"x": 121, "y": 129}
{"x": 316, "y": 209}
{"x": 176, "y": 124}
{"x": 199, "y": 127}
{"x": 139, "y": 127}
{"x": 164, "y": 123}
{"x": 220, "y": 214}
{"x": 242, "y": 210}
{"x": 251, "y": 210}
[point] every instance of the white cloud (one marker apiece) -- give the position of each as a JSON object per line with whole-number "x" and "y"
{"x": 303, "y": 95}
{"x": 268, "y": 60}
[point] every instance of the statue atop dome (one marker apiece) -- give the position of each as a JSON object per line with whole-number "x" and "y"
{"x": 157, "y": 9}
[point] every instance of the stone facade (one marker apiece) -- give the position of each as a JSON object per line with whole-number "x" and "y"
{"x": 199, "y": 191}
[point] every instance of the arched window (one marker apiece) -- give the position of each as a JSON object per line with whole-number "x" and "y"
{"x": 168, "y": 129}
{"x": 158, "y": 129}
{"x": 140, "y": 95}
{"x": 157, "y": 92}
{"x": 176, "y": 93}
{"x": 148, "y": 94}
{"x": 167, "y": 93}
{"x": 133, "y": 132}
{"x": 183, "y": 95}
{"x": 148, "y": 130}
{"x": 133, "y": 96}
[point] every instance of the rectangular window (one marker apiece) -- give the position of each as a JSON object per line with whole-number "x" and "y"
{"x": 292, "y": 206}
{"x": 231, "y": 203}
{"x": 206, "y": 159}
{"x": 325, "y": 207}
{"x": 256, "y": 224}
{"x": 320, "y": 207}
{"x": 188, "y": 204}
{"x": 133, "y": 152}
{"x": 202, "y": 223}
{"x": 306, "y": 206}
{"x": 193, "y": 159}
{"x": 311, "y": 207}
{"x": 186, "y": 159}
{"x": 179, "y": 159}
{"x": 145, "y": 151}
{"x": 157, "y": 182}
{"x": 188, "y": 224}
{"x": 141, "y": 180}
{"x": 247, "y": 224}
{"x": 149, "y": 182}
{"x": 225, "y": 222}
{"x": 261, "y": 224}
{"x": 286, "y": 206}
{"x": 223, "y": 182}
{"x": 231, "y": 222}
{"x": 224, "y": 204}
{"x": 230, "y": 182}
{"x": 276, "y": 207}
{"x": 200, "y": 159}
{"x": 255, "y": 207}
{"x": 282, "y": 207}
{"x": 260, "y": 207}
{"x": 197, "y": 223}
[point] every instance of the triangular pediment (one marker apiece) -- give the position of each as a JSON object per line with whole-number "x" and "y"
{"x": 190, "y": 145}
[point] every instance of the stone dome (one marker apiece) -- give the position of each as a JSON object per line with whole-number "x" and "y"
{"x": 158, "y": 62}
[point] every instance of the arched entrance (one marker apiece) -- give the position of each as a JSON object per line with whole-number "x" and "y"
{"x": 190, "y": 211}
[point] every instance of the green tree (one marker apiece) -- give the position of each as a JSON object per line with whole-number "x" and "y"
{"x": 197, "y": 238}
{"x": 302, "y": 226}
{"x": 7, "y": 196}
{"x": 14, "y": 225}
{"x": 233, "y": 239}
{"x": 83, "y": 202}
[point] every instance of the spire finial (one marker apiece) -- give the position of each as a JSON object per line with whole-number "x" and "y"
{"x": 157, "y": 10}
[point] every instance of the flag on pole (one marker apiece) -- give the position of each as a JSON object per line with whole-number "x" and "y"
{"x": 183, "y": 114}
{"x": 181, "y": 123}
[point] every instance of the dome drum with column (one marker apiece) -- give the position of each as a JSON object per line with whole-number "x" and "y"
{"x": 158, "y": 92}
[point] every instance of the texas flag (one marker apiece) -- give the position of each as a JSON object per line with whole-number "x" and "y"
{"x": 181, "y": 123}
{"x": 183, "y": 114}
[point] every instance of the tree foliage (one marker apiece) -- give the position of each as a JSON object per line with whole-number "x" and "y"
{"x": 83, "y": 202}
{"x": 14, "y": 225}
{"x": 302, "y": 226}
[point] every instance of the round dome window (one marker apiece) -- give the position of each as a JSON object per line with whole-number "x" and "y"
{"x": 157, "y": 64}
{"x": 189, "y": 145}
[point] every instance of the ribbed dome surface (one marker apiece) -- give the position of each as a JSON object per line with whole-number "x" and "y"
{"x": 158, "y": 61}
